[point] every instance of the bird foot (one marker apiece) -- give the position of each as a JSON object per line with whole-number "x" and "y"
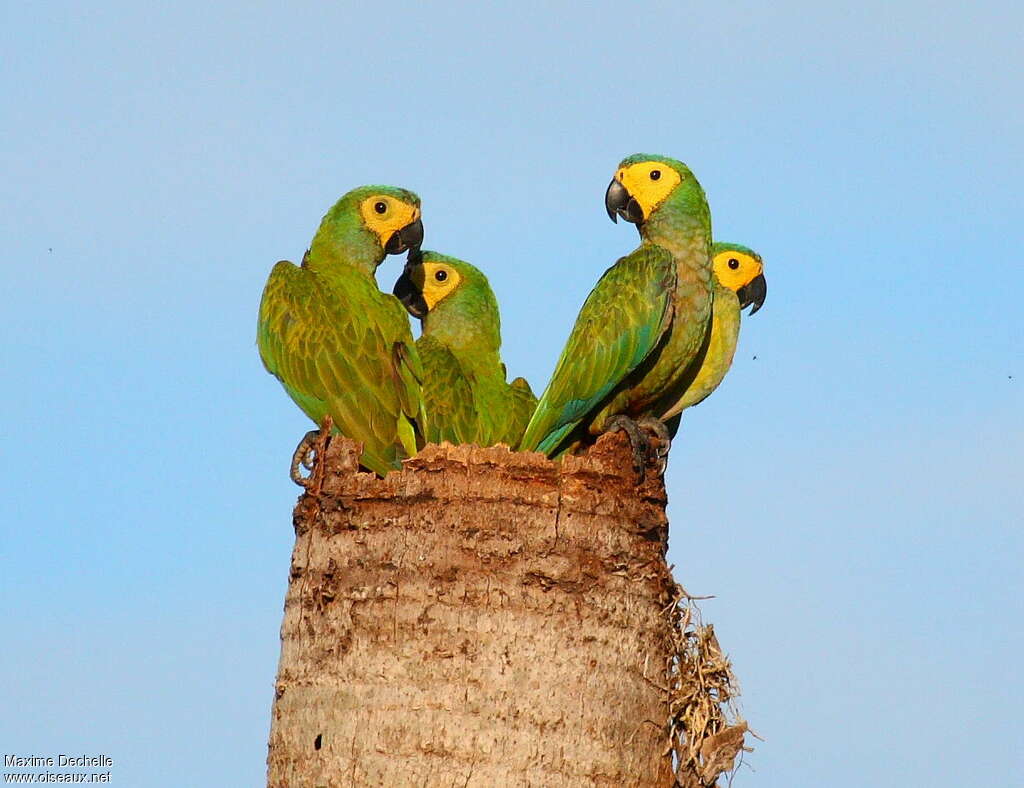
{"x": 637, "y": 440}
{"x": 307, "y": 454}
{"x": 304, "y": 456}
{"x": 660, "y": 431}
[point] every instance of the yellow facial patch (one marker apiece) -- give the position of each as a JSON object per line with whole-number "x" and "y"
{"x": 386, "y": 215}
{"x": 649, "y": 183}
{"x": 439, "y": 281}
{"x": 735, "y": 269}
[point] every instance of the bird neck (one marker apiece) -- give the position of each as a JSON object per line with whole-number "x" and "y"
{"x": 727, "y": 303}
{"x": 466, "y": 327}
{"x": 682, "y": 233}
{"x": 342, "y": 240}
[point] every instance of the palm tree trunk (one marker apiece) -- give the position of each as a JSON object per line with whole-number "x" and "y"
{"x": 480, "y": 618}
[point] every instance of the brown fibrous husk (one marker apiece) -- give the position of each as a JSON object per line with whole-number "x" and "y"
{"x": 707, "y": 734}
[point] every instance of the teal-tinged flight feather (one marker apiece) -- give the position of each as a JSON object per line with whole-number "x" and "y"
{"x": 620, "y": 323}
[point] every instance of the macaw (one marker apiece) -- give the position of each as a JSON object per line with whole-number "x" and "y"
{"x": 644, "y": 322}
{"x": 739, "y": 283}
{"x": 342, "y": 349}
{"x": 464, "y": 386}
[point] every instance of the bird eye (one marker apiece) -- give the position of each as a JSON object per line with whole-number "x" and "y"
{"x": 380, "y": 207}
{"x": 441, "y": 275}
{"x": 734, "y": 263}
{"x": 655, "y": 174}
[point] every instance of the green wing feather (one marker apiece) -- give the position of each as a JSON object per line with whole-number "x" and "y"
{"x": 521, "y": 404}
{"x": 341, "y": 348}
{"x": 621, "y": 322}
{"x": 447, "y": 395}
{"x": 471, "y": 407}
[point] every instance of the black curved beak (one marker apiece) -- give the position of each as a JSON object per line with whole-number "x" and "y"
{"x": 754, "y": 293}
{"x": 409, "y": 237}
{"x": 408, "y": 293}
{"x": 618, "y": 202}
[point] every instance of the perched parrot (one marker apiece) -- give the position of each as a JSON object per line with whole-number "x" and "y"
{"x": 647, "y": 318}
{"x": 340, "y": 347}
{"x": 464, "y": 386}
{"x": 739, "y": 282}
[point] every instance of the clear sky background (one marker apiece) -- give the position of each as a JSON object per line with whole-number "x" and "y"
{"x": 852, "y": 496}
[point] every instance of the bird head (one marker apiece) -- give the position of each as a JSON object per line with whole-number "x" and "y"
{"x": 740, "y": 269}
{"x": 392, "y": 215}
{"x": 428, "y": 278}
{"x": 452, "y": 298}
{"x": 643, "y": 183}
{"x": 366, "y": 224}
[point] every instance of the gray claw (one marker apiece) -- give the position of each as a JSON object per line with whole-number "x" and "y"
{"x": 640, "y": 445}
{"x": 658, "y": 428}
{"x": 304, "y": 455}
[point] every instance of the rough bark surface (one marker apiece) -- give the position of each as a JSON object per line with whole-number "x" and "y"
{"x": 480, "y": 618}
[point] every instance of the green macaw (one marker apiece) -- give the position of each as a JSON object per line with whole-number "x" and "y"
{"x": 340, "y": 347}
{"x": 643, "y": 323}
{"x": 464, "y": 386}
{"x": 739, "y": 282}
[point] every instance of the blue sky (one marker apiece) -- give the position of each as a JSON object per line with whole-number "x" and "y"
{"x": 852, "y": 496}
